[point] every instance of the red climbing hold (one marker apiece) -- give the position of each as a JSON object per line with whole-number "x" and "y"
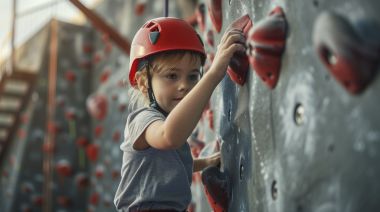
{"x": 210, "y": 38}
{"x": 81, "y": 181}
{"x": 82, "y": 141}
{"x": 64, "y": 168}
{"x": 105, "y": 75}
{"x": 116, "y": 136}
{"x": 70, "y": 114}
{"x": 94, "y": 198}
{"x": 353, "y": 61}
{"x": 239, "y": 64}
{"x": 64, "y": 201}
{"x": 201, "y": 17}
{"x": 92, "y": 151}
{"x": 99, "y": 171}
{"x": 98, "y": 131}
{"x": 140, "y": 8}
{"x": 215, "y": 12}
{"x": 266, "y": 43}
{"x": 70, "y": 76}
{"x": 216, "y": 188}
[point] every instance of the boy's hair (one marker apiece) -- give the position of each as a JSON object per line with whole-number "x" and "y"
{"x": 156, "y": 64}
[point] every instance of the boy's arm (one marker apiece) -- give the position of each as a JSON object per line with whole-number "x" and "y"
{"x": 201, "y": 163}
{"x": 174, "y": 131}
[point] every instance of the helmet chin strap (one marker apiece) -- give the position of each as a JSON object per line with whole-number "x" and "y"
{"x": 152, "y": 99}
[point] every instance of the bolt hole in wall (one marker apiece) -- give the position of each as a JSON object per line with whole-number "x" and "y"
{"x": 315, "y": 3}
{"x": 274, "y": 190}
{"x": 299, "y": 208}
{"x": 299, "y": 114}
{"x": 241, "y": 172}
{"x": 229, "y": 115}
{"x": 330, "y": 148}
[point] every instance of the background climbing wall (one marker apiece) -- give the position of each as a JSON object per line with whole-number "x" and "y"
{"x": 310, "y": 143}
{"x": 295, "y": 118}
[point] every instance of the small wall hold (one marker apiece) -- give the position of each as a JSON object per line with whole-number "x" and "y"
{"x": 97, "y": 106}
{"x": 64, "y": 201}
{"x": 351, "y": 59}
{"x": 216, "y": 188}
{"x": 94, "y": 198}
{"x": 37, "y": 200}
{"x": 99, "y": 171}
{"x": 201, "y": 17}
{"x": 116, "y": 136}
{"x": 105, "y": 75}
{"x": 54, "y": 127}
{"x": 122, "y": 107}
{"x": 48, "y": 147}
{"x": 239, "y": 64}
{"x": 63, "y": 168}
{"x": 81, "y": 181}
{"x": 140, "y": 7}
{"x": 97, "y": 57}
{"x": 82, "y": 141}
{"x": 98, "y": 131}
{"x": 92, "y": 151}
{"x": 215, "y": 12}
{"x": 115, "y": 173}
{"x": 210, "y": 38}
{"x": 70, "y": 114}
{"x": 210, "y": 116}
{"x": 266, "y": 44}
{"x": 87, "y": 48}
{"x": 70, "y": 76}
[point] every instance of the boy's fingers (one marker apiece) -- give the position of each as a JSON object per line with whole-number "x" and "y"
{"x": 236, "y": 38}
{"x": 229, "y": 33}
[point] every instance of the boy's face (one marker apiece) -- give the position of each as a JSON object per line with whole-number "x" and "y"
{"x": 174, "y": 81}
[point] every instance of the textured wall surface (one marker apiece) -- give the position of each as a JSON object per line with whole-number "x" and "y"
{"x": 309, "y": 142}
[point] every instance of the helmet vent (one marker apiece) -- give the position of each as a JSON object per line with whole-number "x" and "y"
{"x": 153, "y": 27}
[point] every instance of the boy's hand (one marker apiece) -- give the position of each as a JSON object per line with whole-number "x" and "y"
{"x": 213, "y": 160}
{"x": 232, "y": 41}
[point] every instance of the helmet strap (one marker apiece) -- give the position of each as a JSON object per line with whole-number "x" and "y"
{"x": 152, "y": 99}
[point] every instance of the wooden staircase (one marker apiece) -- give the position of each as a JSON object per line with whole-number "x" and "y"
{"x": 16, "y": 89}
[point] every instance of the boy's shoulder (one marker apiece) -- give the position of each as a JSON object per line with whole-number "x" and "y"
{"x": 144, "y": 112}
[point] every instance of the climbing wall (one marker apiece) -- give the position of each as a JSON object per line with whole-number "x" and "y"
{"x": 295, "y": 116}
{"x": 303, "y": 132}
{"x": 24, "y": 171}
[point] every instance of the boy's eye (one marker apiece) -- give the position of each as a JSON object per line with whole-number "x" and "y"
{"x": 194, "y": 77}
{"x": 171, "y": 76}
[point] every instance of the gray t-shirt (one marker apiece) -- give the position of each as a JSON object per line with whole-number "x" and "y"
{"x": 152, "y": 178}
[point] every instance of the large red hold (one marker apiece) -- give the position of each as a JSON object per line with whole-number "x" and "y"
{"x": 266, "y": 43}
{"x": 216, "y": 188}
{"x": 350, "y": 58}
{"x": 239, "y": 64}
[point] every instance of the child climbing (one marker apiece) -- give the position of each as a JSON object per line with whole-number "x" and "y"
{"x": 166, "y": 68}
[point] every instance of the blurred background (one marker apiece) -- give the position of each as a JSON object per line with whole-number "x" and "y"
{"x": 296, "y": 117}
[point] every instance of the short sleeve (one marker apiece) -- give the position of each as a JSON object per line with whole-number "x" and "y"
{"x": 138, "y": 121}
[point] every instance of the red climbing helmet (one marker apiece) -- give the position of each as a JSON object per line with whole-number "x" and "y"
{"x": 159, "y": 35}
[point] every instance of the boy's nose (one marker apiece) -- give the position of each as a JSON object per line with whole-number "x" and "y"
{"x": 183, "y": 85}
